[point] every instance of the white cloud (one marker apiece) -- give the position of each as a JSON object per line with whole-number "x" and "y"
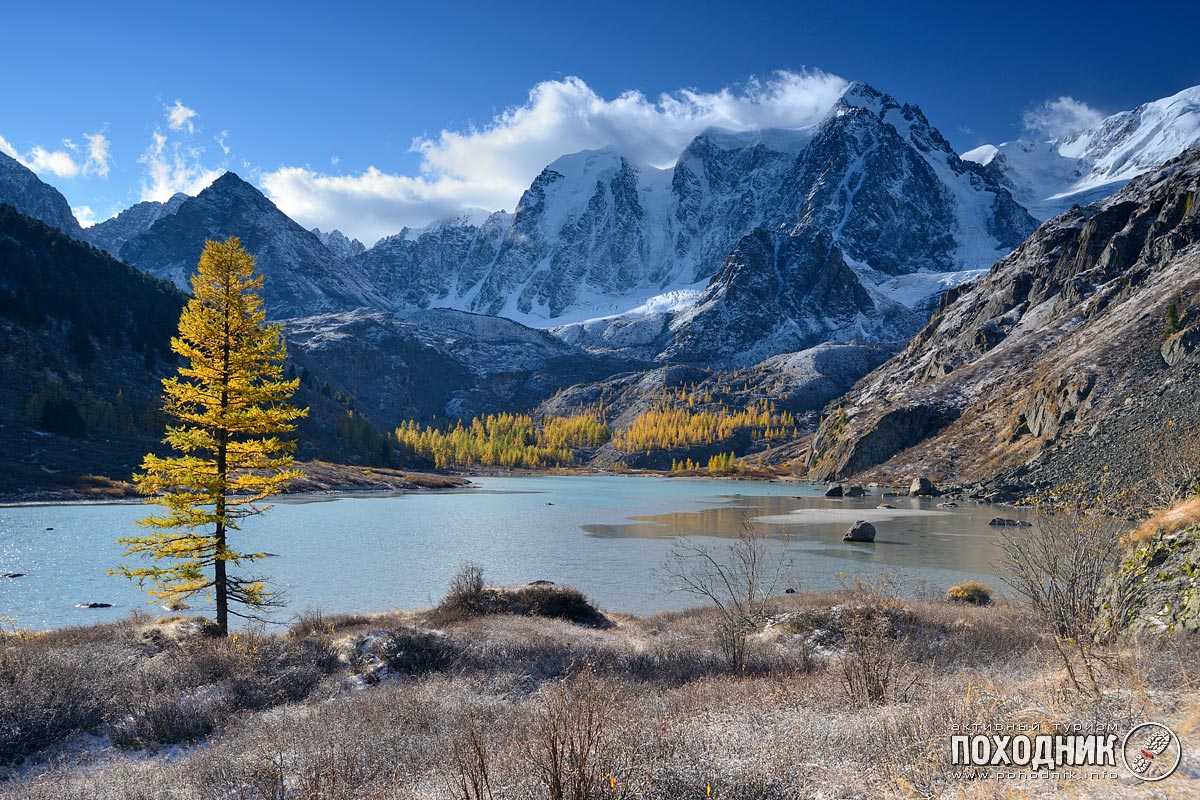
{"x": 59, "y": 163}
{"x": 178, "y": 165}
{"x": 98, "y": 157}
{"x": 179, "y": 117}
{"x": 85, "y": 215}
{"x": 65, "y": 163}
{"x": 1062, "y": 117}
{"x": 174, "y": 167}
{"x": 489, "y": 167}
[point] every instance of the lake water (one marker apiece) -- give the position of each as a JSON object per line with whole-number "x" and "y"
{"x": 608, "y": 535}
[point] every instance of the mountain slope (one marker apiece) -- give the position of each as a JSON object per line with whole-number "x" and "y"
{"x": 301, "y": 276}
{"x": 84, "y": 342}
{"x": 25, "y": 192}
{"x": 112, "y": 234}
{"x": 438, "y": 364}
{"x": 1058, "y": 366}
{"x": 1050, "y": 177}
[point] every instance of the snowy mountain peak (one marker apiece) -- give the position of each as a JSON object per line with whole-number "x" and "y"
{"x": 865, "y": 96}
{"x": 1048, "y": 177}
{"x": 779, "y": 140}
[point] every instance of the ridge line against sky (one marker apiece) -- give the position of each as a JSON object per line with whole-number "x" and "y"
{"x": 408, "y": 79}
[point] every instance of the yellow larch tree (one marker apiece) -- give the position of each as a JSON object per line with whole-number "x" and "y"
{"x": 232, "y": 412}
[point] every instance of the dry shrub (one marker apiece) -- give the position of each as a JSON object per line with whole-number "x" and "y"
{"x": 409, "y": 651}
{"x": 738, "y": 582}
{"x": 556, "y": 602}
{"x": 469, "y": 597}
{"x": 970, "y": 592}
{"x": 467, "y": 594}
{"x": 1173, "y": 464}
{"x": 571, "y": 745}
{"x": 1059, "y": 567}
{"x": 873, "y": 655}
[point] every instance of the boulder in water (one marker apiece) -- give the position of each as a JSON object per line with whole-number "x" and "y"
{"x": 861, "y": 531}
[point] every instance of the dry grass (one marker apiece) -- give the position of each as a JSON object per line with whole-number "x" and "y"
{"x": 515, "y": 706}
{"x": 1182, "y": 515}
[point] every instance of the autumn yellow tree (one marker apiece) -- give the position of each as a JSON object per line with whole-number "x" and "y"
{"x": 232, "y": 412}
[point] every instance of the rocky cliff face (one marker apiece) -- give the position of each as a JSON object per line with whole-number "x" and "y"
{"x": 1156, "y": 588}
{"x": 433, "y": 265}
{"x": 301, "y": 276}
{"x": 24, "y": 191}
{"x": 1056, "y": 366}
{"x": 339, "y": 244}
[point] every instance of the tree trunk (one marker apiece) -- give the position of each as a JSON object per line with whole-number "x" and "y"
{"x": 220, "y": 581}
{"x": 221, "y": 585}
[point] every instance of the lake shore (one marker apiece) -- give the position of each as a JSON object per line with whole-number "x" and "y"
{"x": 321, "y": 478}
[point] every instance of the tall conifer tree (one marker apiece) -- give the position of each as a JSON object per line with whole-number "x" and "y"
{"x": 232, "y": 412}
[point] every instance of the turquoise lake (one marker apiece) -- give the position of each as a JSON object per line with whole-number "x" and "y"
{"x": 607, "y": 535}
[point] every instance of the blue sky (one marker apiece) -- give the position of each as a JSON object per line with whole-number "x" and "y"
{"x": 320, "y": 105}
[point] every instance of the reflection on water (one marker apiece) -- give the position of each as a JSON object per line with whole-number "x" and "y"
{"x": 915, "y": 534}
{"x": 608, "y": 535}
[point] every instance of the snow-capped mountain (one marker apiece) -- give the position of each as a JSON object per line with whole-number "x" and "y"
{"x": 880, "y": 196}
{"x": 112, "y": 234}
{"x": 22, "y": 189}
{"x": 301, "y": 276}
{"x": 1048, "y": 177}
{"x": 596, "y": 235}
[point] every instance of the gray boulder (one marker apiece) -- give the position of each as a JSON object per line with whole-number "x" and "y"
{"x": 835, "y": 490}
{"x": 922, "y": 487}
{"x": 855, "y": 491}
{"x": 861, "y": 531}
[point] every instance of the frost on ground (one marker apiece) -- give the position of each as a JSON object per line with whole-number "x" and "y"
{"x": 456, "y": 705}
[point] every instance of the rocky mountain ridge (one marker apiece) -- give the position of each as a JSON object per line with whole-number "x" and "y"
{"x": 1065, "y": 362}
{"x": 301, "y": 275}
{"x": 112, "y": 234}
